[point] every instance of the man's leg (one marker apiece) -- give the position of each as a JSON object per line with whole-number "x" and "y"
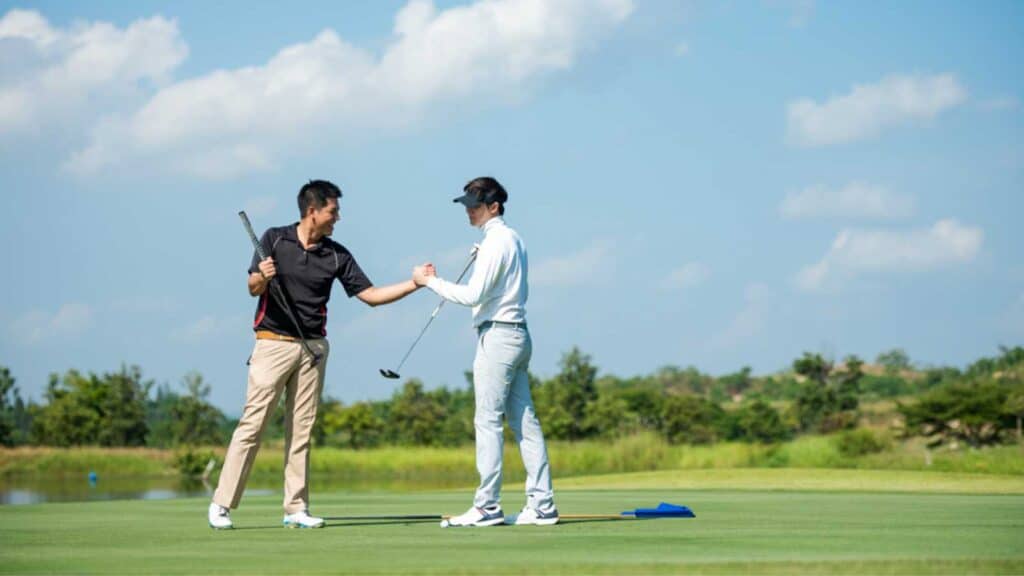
{"x": 270, "y": 367}
{"x": 522, "y": 419}
{"x": 497, "y": 354}
{"x": 492, "y": 377}
{"x": 301, "y": 401}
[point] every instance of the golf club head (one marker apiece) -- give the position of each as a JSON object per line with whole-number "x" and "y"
{"x": 389, "y": 374}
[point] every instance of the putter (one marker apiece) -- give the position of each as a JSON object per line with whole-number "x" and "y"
{"x": 663, "y": 510}
{"x": 281, "y": 294}
{"x": 393, "y": 374}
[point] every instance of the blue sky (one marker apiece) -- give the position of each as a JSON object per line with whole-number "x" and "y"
{"x": 708, "y": 184}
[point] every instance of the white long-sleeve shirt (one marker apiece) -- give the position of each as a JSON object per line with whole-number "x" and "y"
{"x": 497, "y": 289}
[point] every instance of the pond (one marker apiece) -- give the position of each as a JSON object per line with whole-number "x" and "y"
{"x": 15, "y": 491}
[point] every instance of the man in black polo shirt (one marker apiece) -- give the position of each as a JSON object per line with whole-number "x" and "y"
{"x": 306, "y": 262}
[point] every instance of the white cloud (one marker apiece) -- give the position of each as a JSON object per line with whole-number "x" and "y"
{"x": 261, "y": 206}
{"x": 209, "y": 327}
{"x": 27, "y": 25}
{"x": 145, "y": 305}
{"x": 869, "y": 108}
{"x": 37, "y": 325}
{"x": 1010, "y": 322}
{"x": 800, "y": 11}
{"x": 749, "y": 321}
{"x": 856, "y": 252}
{"x": 855, "y": 200}
{"x": 686, "y": 276}
{"x": 594, "y": 261}
{"x": 230, "y": 122}
{"x": 51, "y": 75}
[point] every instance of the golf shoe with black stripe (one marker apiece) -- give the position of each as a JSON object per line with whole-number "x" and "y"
{"x": 533, "y": 517}
{"x": 479, "y": 517}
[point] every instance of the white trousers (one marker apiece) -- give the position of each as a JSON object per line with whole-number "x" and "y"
{"x": 502, "y": 388}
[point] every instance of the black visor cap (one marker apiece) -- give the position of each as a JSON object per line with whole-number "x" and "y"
{"x": 469, "y": 200}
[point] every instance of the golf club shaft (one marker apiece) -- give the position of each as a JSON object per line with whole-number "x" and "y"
{"x": 281, "y": 295}
{"x": 398, "y": 517}
{"x": 472, "y": 256}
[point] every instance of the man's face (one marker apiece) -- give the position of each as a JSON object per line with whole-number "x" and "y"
{"x": 481, "y": 214}
{"x": 324, "y": 218}
{"x": 476, "y": 214}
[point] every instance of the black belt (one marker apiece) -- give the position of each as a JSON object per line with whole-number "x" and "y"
{"x": 488, "y": 323}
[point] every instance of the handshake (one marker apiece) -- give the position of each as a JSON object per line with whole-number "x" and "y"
{"x": 420, "y": 274}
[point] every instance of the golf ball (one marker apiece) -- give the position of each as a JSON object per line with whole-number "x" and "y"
{"x": 444, "y": 523}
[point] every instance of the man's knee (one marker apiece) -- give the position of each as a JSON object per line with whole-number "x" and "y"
{"x": 487, "y": 419}
{"x": 246, "y": 435}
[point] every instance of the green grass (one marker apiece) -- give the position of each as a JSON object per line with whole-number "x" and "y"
{"x": 839, "y": 528}
{"x": 797, "y": 479}
{"x": 443, "y": 466}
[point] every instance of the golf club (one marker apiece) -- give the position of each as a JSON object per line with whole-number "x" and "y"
{"x": 281, "y": 294}
{"x": 393, "y": 374}
{"x": 663, "y": 510}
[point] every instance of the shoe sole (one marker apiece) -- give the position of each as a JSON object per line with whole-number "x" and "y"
{"x": 221, "y": 527}
{"x": 481, "y": 523}
{"x": 301, "y": 526}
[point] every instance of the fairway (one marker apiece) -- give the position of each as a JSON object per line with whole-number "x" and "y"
{"x": 736, "y": 531}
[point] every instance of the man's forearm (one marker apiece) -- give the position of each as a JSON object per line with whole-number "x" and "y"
{"x": 377, "y": 295}
{"x": 257, "y": 284}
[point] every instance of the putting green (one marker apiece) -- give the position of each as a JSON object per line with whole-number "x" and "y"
{"x": 736, "y": 531}
{"x": 806, "y": 479}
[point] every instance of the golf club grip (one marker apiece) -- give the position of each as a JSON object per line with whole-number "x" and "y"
{"x": 252, "y": 235}
{"x": 472, "y": 258}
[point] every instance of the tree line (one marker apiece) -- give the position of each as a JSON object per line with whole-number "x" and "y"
{"x": 982, "y": 404}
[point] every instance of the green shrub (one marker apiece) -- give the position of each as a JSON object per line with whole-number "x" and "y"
{"x": 192, "y": 462}
{"x": 688, "y": 419}
{"x": 860, "y": 442}
{"x": 757, "y": 421}
{"x": 971, "y": 412}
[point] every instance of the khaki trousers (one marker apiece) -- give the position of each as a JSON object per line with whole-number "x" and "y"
{"x": 276, "y": 367}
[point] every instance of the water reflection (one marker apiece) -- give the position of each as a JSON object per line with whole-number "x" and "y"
{"x": 15, "y": 491}
{"x": 35, "y": 490}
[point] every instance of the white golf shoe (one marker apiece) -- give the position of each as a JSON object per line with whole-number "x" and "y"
{"x": 302, "y": 520}
{"x": 533, "y": 517}
{"x": 478, "y": 517}
{"x": 220, "y": 517}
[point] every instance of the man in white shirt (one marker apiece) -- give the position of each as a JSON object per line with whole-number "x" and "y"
{"x": 497, "y": 292}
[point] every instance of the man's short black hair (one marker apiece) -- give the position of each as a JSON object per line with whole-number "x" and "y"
{"x": 487, "y": 190}
{"x": 315, "y": 193}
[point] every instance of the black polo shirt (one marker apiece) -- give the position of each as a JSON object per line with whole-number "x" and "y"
{"x": 307, "y": 276}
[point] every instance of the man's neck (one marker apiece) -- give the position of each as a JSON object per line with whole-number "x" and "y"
{"x": 493, "y": 219}
{"x": 307, "y": 236}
